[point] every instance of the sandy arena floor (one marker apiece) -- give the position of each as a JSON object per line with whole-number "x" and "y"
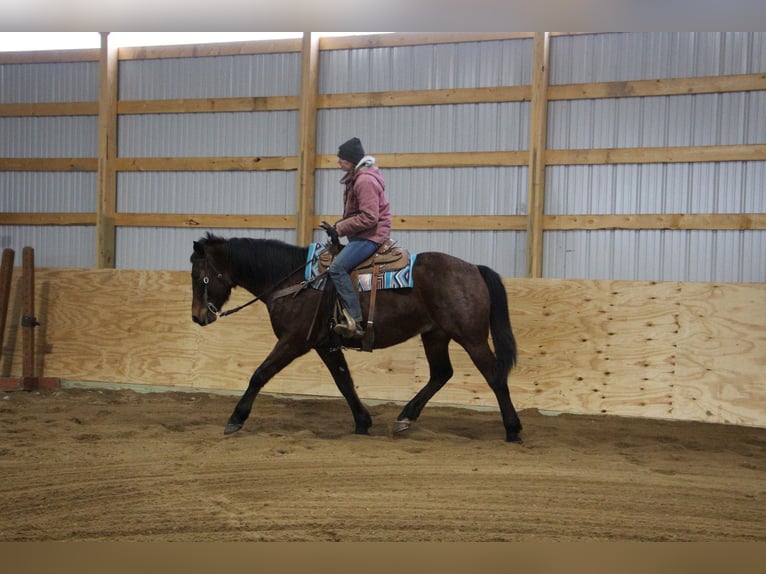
{"x": 94, "y": 464}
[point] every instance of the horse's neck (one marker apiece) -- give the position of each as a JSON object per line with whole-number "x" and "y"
{"x": 269, "y": 266}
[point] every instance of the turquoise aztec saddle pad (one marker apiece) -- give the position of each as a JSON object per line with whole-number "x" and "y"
{"x": 387, "y": 279}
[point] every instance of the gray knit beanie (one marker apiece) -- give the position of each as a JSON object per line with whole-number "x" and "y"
{"x": 351, "y": 150}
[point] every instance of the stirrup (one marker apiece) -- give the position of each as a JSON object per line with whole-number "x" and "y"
{"x": 350, "y": 329}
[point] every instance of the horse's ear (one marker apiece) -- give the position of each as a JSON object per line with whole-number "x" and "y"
{"x": 199, "y": 249}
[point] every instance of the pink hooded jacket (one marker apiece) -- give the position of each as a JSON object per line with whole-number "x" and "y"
{"x": 366, "y": 211}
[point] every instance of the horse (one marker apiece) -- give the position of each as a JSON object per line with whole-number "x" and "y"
{"x": 450, "y": 299}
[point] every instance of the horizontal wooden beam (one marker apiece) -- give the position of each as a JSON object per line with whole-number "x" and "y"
{"x": 205, "y": 220}
{"x": 252, "y": 47}
{"x": 584, "y": 222}
{"x": 667, "y": 87}
{"x": 49, "y": 109}
{"x": 198, "y": 105}
{"x": 598, "y": 90}
{"x": 426, "y": 97}
{"x": 50, "y": 56}
{"x": 448, "y": 159}
{"x": 447, "y": 222}
{"x": 610, "y": 156}
{"x": 459, "y": 222}
{"x": 48, "y": 164}
{"x": 205, "y": 163}
{"x": 54, "y": 219}
{"x": 414, "y": 39}
{"x": 677, "y": 221}
{"x": 690, "y": 154}
{"x": 275, "y": 46}
{"x": 401, "y": 222}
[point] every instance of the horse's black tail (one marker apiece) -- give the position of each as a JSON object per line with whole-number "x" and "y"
{"x": 500, "y": 322}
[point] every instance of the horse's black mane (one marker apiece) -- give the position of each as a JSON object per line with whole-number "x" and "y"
{"x": 268, "y": 260}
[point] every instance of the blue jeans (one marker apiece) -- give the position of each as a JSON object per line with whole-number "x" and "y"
{"x": 355, "y": 251}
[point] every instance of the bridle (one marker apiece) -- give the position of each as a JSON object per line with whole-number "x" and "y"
{"x": 272, "y": 292}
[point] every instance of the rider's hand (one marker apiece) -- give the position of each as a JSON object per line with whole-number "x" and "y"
{"x": 331, "y": 232}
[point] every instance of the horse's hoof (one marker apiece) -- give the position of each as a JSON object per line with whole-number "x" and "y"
{"x": 231, "y": 429}
{"x": 516, "y": 439}
{"x": 402, "y": 425}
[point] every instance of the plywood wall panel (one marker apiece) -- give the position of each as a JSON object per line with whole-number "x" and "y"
{"x": 686, "y": 351}
{"x": 722, "y": 364}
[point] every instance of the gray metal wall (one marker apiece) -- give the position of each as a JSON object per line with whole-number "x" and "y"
{"x": 628, "y": 122}
{"x": 688, "y": 120}
{"x": 49, "y": 137}
{"x": 447, "y": 128}
{"x": 204, "y": 135}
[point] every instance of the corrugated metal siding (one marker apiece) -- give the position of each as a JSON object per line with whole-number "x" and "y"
{"x": 47, "y": 192}
{"x": 137, "y": 247}
{"x": 244, "y": 134}
{"x": 429, "y": 129}
{"x": 658, "y": 121}
{"x": 63, "y": 246}
{"x": 49, "y": 137}
{"x": 262, "y": 192}
{"x": 447, "y": 191}
{"x": 424, "y": 129}
{"x": 628, "y": 122}
{"x": 42, "y": 83}
{"x": 705, "y": 255}
{"x": 454, "y": 191}
{"x": 213, "y": 77}
{"x": 440, "y": 66}
{"x": 504, "y": 251}
{"x": 649, "y": 56}
{"x": 728, "y": 187}
{"x": 656, "y": 255}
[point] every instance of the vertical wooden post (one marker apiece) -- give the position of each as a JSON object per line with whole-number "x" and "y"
{"x": 28, "y": 319}
{"x": 304, "y": 224}
{"x": 107, "y": 152}
{"x": 6, "y": 273}
{"x": 29, "y": 380}
{"x": 538, "y": 135}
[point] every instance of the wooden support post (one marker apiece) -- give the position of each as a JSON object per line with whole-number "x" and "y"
{"x": 538, "y": 135}
{"x": 28, "y": 319}
{"x": 307, "y": 139}
{"x": 29, "y": 380}
{"x": 6, "y": 274}
{"x": 107, "y": 152}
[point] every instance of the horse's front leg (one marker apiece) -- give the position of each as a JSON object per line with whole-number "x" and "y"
{"x": 335, "y": 362}
{"x": 281, "y": 355}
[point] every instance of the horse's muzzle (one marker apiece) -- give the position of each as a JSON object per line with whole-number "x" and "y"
{"x": 205, "y": 319}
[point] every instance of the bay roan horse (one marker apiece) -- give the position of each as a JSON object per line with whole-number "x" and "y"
{"x": 450, "y": 300}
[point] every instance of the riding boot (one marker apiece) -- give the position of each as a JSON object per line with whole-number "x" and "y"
{"x": 349, "y": 329}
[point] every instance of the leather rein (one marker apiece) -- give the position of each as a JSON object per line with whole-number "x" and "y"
{"x": 271, "y": 293}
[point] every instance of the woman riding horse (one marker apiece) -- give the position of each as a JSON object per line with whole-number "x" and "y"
{"x": 366, "y": 223}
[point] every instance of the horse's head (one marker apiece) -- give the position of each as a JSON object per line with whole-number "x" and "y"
{"x": 211, "y": 285}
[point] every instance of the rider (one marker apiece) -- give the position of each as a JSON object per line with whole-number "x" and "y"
{"x": 366, "y": 223}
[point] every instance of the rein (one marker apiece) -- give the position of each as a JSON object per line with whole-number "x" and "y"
{"x": 293, "y": 289}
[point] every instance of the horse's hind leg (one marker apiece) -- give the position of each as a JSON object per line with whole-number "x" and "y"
{"x": 336, "y": 364}
{"x": 484, "y": 359}
{"x": 436, "y": 345}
